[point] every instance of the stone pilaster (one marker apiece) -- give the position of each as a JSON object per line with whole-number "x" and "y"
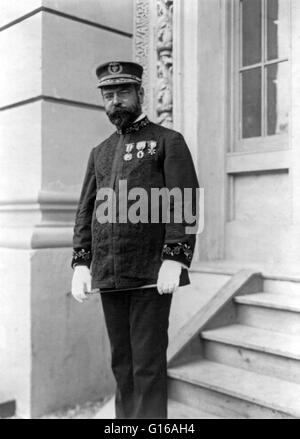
{"x": 164, "y": 50}
{"x": 153, "y": 49}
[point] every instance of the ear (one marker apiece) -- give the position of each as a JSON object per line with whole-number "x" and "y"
{"x": 141, "y": 94}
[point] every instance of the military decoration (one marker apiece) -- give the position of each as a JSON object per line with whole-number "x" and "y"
{"x": 129, "y": 148}
{"x": 152, "y": 147}
{"x": 140, "y": 146}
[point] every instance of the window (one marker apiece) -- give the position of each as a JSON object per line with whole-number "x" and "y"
{"x": 262, "y": 42}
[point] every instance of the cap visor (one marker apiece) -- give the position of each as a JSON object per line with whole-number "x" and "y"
{"x": 117, "y": 81}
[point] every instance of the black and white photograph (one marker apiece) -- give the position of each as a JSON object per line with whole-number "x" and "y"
{"x": 149, "y": 212}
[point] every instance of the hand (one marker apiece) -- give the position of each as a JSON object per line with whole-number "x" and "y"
{"x": 81, "y": 282}
{"x": 168, "y": 276}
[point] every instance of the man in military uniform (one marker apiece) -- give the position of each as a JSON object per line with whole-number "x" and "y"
{"x": 135, "y": 265}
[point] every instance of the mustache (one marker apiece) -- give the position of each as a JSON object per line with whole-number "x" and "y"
{"x": 119, "y": 110}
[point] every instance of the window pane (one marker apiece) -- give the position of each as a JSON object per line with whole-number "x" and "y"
{"x": 277, "y": 98}
{"x": 251, "y": 103}
{"x": 277, "y": 29}
{"x": 251, "y": 32}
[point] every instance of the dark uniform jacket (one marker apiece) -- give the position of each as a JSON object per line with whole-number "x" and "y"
{"x": 125, "y": 254}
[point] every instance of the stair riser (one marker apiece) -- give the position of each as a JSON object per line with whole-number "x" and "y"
{"x": 286, "y": 322}
{"x": 281, "y": 287}
{"x": 179, "y": 411}
{"x": 218, "y": 403}
{"x": 253, "y": 361}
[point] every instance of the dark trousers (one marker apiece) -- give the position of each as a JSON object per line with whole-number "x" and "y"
{"x": 137, "y": 322}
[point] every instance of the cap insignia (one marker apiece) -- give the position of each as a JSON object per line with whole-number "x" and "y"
{"x": 115, "y": 68}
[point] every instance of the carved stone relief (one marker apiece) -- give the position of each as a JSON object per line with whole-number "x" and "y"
{"x": 142, "y": 43}
{"x": 161, "y": 46}
{"x": 164, "y": 46}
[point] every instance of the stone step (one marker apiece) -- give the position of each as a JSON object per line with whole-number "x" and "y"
{"x": 287, "y": 302}
{"x": 282, "y": 286}
{"x": 177, "y": 410}
{"x": 275, "y": 312}
{"x": 254, "y": 349}
{"x": 258, "y": 339}
{"x": 233, "y": 393}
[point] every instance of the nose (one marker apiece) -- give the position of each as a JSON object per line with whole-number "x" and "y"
{"x": 116, "y": 99}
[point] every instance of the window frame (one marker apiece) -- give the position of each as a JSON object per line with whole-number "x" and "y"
{"x": 265, "y": 142}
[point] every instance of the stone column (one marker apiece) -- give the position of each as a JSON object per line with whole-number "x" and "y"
{"x": 54, "y": 351}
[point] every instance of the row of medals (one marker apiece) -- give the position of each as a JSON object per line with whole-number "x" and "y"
{"x": 140, "y": 146}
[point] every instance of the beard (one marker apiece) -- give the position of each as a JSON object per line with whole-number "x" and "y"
{"x": 124, "y": 117}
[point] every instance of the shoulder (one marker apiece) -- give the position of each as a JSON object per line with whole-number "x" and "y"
{"x": 172, "y": 145}
{"x": 172, "y": 142}
{"x": 98, "y": 148}
{"x": 167, "y": 133}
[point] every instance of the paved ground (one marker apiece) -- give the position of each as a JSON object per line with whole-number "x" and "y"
{"x": 88, "y": 410}
{"x": 85, "y": 411}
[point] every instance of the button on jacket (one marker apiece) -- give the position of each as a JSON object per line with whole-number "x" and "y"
{"x": 123, "y": 254}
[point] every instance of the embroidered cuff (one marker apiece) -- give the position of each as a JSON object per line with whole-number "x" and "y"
{"x": 180, "y": 252}
{"x": 81, "y": 257}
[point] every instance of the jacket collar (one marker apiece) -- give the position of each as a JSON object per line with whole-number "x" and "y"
{"x": 140, "y": 123}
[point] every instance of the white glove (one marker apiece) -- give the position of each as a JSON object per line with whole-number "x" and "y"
{"x": 168, "y": 276}
{"x": 81, "y": 282}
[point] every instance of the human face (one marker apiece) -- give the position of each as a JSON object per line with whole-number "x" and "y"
{"x": 123, "y": 104}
